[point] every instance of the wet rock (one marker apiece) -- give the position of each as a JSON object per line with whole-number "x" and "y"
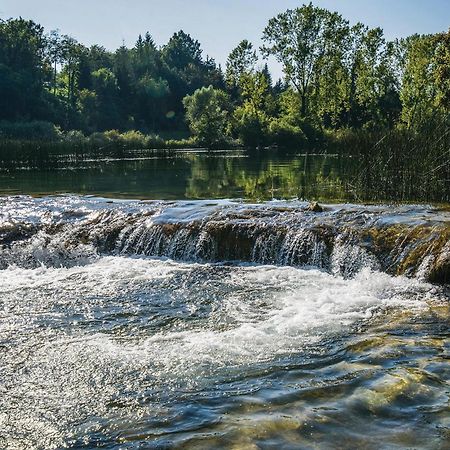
{"x": 11, "y": 232}
{"x": 340, "y": 240}
{"x": 440, "y": 271}
{"x": 315, "y": 207}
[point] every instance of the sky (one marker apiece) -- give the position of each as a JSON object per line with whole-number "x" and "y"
{"x": 219, "y": 25}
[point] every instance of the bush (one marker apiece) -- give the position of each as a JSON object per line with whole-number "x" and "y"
{"x": 286, "y": 135}
{"x": 180, "y": 143}
{"x": 99, "y": 140}
{"x": 132, "y": 140}
{"x": 250, "y": 126}
{"x": 75, "y": 137}
{"x": 33, "y": 131}
{"x": 154, "y": 141}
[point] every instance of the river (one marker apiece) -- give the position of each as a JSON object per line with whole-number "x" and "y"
{"x": 183, "y": 323}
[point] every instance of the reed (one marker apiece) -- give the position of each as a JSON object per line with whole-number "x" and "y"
{"x": 399, "y": 164}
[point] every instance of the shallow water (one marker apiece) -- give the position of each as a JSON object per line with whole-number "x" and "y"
{"x": 101, "y": 346}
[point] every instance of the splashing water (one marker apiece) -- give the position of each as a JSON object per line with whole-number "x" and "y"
{"x": 105, "y": 341}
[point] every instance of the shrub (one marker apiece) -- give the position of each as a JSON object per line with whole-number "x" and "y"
{"x": 180, "y": 143}
{"x": 155, "y": 141}
{"x": 250, "y": 126}
{"x": 33, "y": 131}
{"x": 75, "y": 137}
{"x": 99, "y": 140}
{"x": 132, "y": 140}
{"x": 286, "y": 135}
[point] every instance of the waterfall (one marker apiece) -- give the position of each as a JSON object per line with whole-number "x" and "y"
{"x": 341, "y": 240}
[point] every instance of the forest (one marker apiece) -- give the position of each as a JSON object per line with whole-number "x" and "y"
{"x": 343, "y": 84}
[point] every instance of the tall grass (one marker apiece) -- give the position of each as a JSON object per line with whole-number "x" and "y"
{"x": 399, "y": 164}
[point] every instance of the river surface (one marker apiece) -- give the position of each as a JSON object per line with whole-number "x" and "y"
{"x": 131, "y": 325}
{"x": 193, "y": 175}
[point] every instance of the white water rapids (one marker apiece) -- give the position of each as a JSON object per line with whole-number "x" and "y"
{"x": 126, "y": 351}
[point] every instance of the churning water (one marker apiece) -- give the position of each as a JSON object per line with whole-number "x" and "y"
{"x": 134, "y": 325}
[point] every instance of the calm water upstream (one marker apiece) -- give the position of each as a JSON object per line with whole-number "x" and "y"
{"x": 192, "y": 175}
{"x": 215, "y": 324}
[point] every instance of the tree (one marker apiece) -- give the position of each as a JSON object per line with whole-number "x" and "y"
{"x": 106, "y": 91}
{"x": 71, "y": 55}
{"x": 54, "y": 50}
{"x": 241, "y": 61}
{"x": 441, "y": 73}
{"x": 146, "y": 57}
{"x": 123, "y": 70}
{"x": 23, "y": 69}
{"x": 207, "y": 115}
{"x": 186, "y": 71}
{"x": 182, "y": 50}
{"x": 419, "y": 90}
{"x": 370, "y": 86}
{"x": 251, "y": 119}
{"x": 151, "y": 94}
{"x": 301, "y": 40}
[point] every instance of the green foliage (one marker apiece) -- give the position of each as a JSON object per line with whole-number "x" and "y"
{"x": 336, "y": 77}
{"x": 106, "y": 99}
{"x": 41, "y": 144}
{"x": 286, "y": 135}
{"x": 119, "y": 142}
{"x": 23, "y": 69}
{"x": 74, "y": 137}
{"x": 182, "y": 50}
{"x": 56, "y": 78}
{"x": 441, "y": 75}
{"x": 207, "y": 115}
{"x": 251, "y": 119}
{"x": 134, "y": 139}
{"x": 186, "y": 71}
{"x": 250, "y": 125}
{"x": 419, "y": 92}
{"x": 305, "y": 40}
{"x": 187, "y": 143}
{"x": 35, "y": 130}
{"x": 240, "y": 62}
{"x": 344, "y": 76}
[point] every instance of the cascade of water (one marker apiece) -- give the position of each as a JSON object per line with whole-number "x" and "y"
{"x": 342, "y": 242}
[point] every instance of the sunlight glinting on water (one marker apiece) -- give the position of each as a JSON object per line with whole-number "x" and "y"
{"x": 109, "y": 347}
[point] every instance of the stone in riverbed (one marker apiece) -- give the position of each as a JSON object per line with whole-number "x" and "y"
{"x": 315, "y": 207}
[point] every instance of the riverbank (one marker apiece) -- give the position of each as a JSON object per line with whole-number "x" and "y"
{"x": 393, "y": 166}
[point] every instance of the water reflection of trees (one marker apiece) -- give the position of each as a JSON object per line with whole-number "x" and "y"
{"x": 262, "y": 177}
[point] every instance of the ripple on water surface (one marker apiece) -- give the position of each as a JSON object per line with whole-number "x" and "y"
{"x": 149, "y": 353}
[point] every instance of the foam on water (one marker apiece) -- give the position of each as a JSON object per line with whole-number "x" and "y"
{"x": 99, "y": 345}
{"x": 71, "y": 357}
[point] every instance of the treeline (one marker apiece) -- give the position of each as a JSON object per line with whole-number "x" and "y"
{"x": 337, "y": 77}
